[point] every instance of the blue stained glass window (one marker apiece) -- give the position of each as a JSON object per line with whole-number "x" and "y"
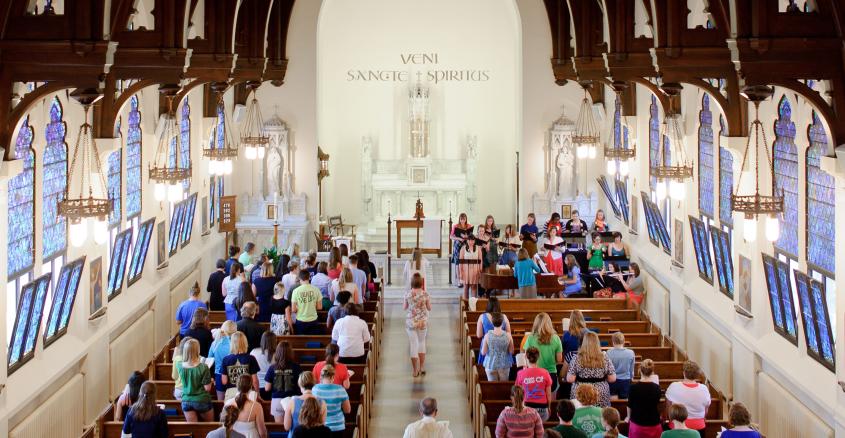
{"x": 667, "y": 151}
{"x": 822, "y": 317}
{"x": 786, "y": 178}
{"x": 114, "y": 184}
{"x": 726, "y": 180}
{"x": 718, "y": 252}
{"x": 649, "y": 219}
{"x": 220, "y": 193}
{"x": 705, "y": 158}
{"x": 133, "y": 160}
{"x": 821, "y": 197}
{"x": 774, "y": 294}
{"x": 212, "y": 201}
{"x": 63, "y": 298}
{"x": 73, "y": 287}
{"x": 139, "y": 251}
{"x": 188, "y": 225}
{"x": 617, "y": 124}
{"x": 702, "y": 249}
{"x": 176, "y": 221}
{"x": 727, "y": 260}
{"x": 802, "y": 284}
{"x": 653, "y": 139}
{"x": 35, "y": 318}
{"x": 611, "y": 198}
{"x": 117, "y": 269}
{"x": 622, "y": 198}
{"x": 662, "y": 230}
{"x": 221, "y": 127}
{"x": 185, "y": 140}
{"x": 27, "y": 322}
{"x": 21, "y": 213}
{"x": 786, "y": 297}
{"x": 780, "y": 297}
{"x": 55, "y": 183}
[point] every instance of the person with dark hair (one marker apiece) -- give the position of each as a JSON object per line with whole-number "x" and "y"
{"x": 537, "y": 383}
{"x": 693, "y": 395}
{"x": 352, "y": 334}
{"x": 740, "y": 421}
{"x": 338, "y": 311}
{"x": 358, "y": 276}
{"x": 246, "y": 257}
{"x": 199, "y": 330}
{"x": 231, "y": 289}
{"x": 145, "y": 419}
{"x": 341, "y": 374}
{"x": 264, "y": 353}
{"x": 643, "y": 404}
{"x": 485, "y": 322}
{"x": 233, "y": 258}
{"x": 307, "y": 300}
{"x": 249, "y": 327}
{"x": 129, "y": 395}
{"x": 320, "y": 279}
{"x": 678, "y": 426}
{"x": 214, "y": 287}
{"x": 371, "y": 270}
{"x": 635, "y": 285}
{"x": 617, "y": 248}
{"x": 336, "y": 398}
{"x": 228, "y": 417}
{"x": 281, "y": 378}
{"x": 519, "y": 420}
{"x": 262, "y": 288}
{"x": 185, "y": 311}
{"x": 565, "y": 412}
{"x": 311, "y": 263}
{"x": 311, "y": 423}
{"x": 257, "y": 271}
{"x": 497, "y": 349}
{"x": 251, "y": 417}
{"x": 428, "y": 426}
{"x": 335, "y": 263}
{"x": 282, "y": 266}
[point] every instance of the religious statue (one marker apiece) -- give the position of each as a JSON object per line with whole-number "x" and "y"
{"x": 418, "y": 120}
{"x": 566, "y": 171}
{"x": 366, "y": 175}
{"x": 274, "y": 164}
{"x": 472, "y": 156}
{"x": 418, "y": 213}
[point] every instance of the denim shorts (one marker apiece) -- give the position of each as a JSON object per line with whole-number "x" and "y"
{"x": 198, "y": 407}
{"x": 621, "y": 388}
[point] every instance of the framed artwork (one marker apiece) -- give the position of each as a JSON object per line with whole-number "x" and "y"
{"x": 271, "y": 212}
{"x": 679, "y": 242}
{"x": 635, "y": 215}
{"x": 744, "y": 286}
{"x": 419, "y": 175}
{"x": 95, "y": 275}
{"x": 565, "y": 211}
{"x": 161, "y": 244}
{"x": 204, "y": 215}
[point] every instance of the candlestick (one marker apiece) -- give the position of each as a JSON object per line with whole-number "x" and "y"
{"x": 450, "y": 207}
{"x": 388, "y": 207}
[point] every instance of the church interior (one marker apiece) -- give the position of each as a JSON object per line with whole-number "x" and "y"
{"x": 602, "y": 177}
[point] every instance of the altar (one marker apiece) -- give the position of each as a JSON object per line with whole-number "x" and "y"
{"x": 429, "y": 237}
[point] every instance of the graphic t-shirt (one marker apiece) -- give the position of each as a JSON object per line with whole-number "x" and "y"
{"x": 534, "y": 382}
{"x": 588, "y": 420}
{"x": 284, "y": 383}
{"x": 237, "y": 365}
{"x": 306, "y": 297}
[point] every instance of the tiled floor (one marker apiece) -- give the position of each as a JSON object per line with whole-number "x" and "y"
{"x": 398, "y": 393}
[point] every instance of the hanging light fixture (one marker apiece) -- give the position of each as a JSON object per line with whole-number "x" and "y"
{"x": 586, "y": 135}
{"x": 617, "y": 157}
{"x": 753, "y": 206}
{"x": 82, "y": 211}
{"x": 254, "y": 138}
{"x": 678, "y": 170}
{"x": 221, "y": 149}
{"x": 167, "y": 174}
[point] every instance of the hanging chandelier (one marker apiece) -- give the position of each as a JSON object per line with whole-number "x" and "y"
{"x": 166, "y": 172}
{"x": 96, "y": 207}
{"x": 221, "y": 149}
{"x": 678, "y": 170}
{"x": 617, "y": 157}
{"x": 586, "y": 135}
{"x": 753, "y": 206}
{"x": 254, "y": 138}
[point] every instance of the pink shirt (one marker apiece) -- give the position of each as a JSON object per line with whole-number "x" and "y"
{"x": 535, "y": 382}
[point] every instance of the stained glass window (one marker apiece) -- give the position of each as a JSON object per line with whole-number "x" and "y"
{"x": 114, "y": 184}
{"x": 653, "y": 140}
{"x": 617, "y": 124}
{"x": 611, "y": 197}
{"x": 21, "y": 213}
{"x": 718, "y": 252}
{"x": 220, "y": 193}
{"x": 139, "y": 251}
{"x": 185, "y": 140}
{"x": 705, "y": 158}
{"x": 816, "y": 319}
{"x": 780, "y": 297}
{"x": 701, "y": 245}
{"x": 117, "y": 266}
{"x": 212, "y": 201}
{"x": 649, "y": 220}
{"x": 55, "y": 183}
{"x": 821, "y": 191}
{"x": 188, "y": 225}
{"x": 726, "y": 180}
{"x": 786, "y": 178}
{"x": 27, "y": 322}
{"x": 63, "y": 298}
{"x": 622, "y": 198}
{"x": 133, "y": 160}
{"x": 176, "y": 221}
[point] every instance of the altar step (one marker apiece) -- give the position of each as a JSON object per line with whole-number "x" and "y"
{"x": 437, "y": 274}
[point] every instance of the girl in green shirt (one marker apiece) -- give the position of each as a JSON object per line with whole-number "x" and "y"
{"x": 547, "y": 342}
{"x": 196, "y": 384}
{"x": 678, "y": 415}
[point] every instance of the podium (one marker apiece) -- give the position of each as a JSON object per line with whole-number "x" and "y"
{"x": 418, "y": 224}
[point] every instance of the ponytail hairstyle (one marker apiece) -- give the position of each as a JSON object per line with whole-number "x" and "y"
{"x": 610, "y": 416}
{"x": 646, "y": 368}
{"x": 228, "y": 417}
{"x": 332, "y": 350}
{"x": 327, "y": 373}
{"x": 237, "y": 268}
{"x": 311, "y": 413}
{"x": 518, "y": 398}
{"x": 145, "y": 408}
{"x": 244, "y": 386}
{"x": 135, "y": 381}
{"x": 532, "y": 354}
{"x": 416, "y": 256}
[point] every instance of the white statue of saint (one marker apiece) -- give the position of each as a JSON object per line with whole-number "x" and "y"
{"x": 565, "y": 163}
{"x": 366, "y": 175}
{"x": 274, "y": 162}
{"x": 472, "y": 155}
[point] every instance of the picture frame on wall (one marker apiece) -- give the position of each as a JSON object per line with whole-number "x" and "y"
{"x": 635, "y": 216}
{"x": 95, "y": 277}
{"x": 271, "y": 212}
{"x": 679, "y": 243}
{"x": 161, "y": 245}
{"x": 744, "y": 286}
{"x": 565, "y": 211}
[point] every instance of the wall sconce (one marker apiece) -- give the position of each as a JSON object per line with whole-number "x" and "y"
{"x": 322, "y": 172}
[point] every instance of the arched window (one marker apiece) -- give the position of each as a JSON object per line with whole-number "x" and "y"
{"x": 705, "y": 159}
{"x": 653, "y": 140}
{"x": 617, "y": 124}
{"x": 133, "y": 160}
{"x": 21, "y": 213}
{"x": 55, "y": 182}
{"x": 821, "y": 195}
{"x": 786, "y": 178}
{"x": 216, "y": 187}
{"x": 114, "y": 185}
{"x": 726, "y": 180}
{"x": 185, "y": 140}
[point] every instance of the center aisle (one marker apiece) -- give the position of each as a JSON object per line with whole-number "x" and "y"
{"x": 397, "y": 393}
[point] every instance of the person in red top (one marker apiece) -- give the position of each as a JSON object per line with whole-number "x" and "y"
{"x": 341, "y": 372}
{"x": 335, "y": 263}
{"x": 518, "y": 421}
{"x": 536, "y": 383}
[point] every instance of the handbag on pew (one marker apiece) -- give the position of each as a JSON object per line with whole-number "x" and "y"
{"x": 603, "y": 293}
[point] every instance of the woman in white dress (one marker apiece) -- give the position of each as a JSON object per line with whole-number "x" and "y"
{"x": 417, "y": 265}
{"x": 251, "y": 417}
{"x": 344, "y": 282}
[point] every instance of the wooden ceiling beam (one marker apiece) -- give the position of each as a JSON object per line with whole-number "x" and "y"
{"x": 251, "y": 40}
{"x": 277, "y": 34}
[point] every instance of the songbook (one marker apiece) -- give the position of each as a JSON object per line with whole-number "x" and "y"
{"x": 512, "y": 246}
{"x": 532, "y": 237}
{"x": 551, "y": 246}
{"x": 496, "y": 233}
{"x": 463, "y": 233}
{"x": 469, "y": 262}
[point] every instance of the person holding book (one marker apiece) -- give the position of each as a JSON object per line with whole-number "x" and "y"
{"x": 469, "y": 264}
{"x": 460, "y": 231}
{"x": 600, "y": 223}
{"x": 575, "y": 224}
{"x": 509, "y": 245}
{"x": 488, "y": 240}
{"x": 553, "y": 222}
{"x": 528, "y": 235}
{"x": 554, "y": 251}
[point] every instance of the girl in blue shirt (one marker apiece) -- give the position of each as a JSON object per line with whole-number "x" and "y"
{"x": 572, "y": 280}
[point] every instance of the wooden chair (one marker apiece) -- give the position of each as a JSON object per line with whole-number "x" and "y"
{"x": 338, "y": 228}
{"x": 323, "y": 245}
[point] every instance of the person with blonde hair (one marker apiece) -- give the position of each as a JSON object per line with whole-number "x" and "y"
{"x": 546, "y": 341}
{"x": 740, "y": 421}
{"x": 524, "y": 270}
{"x": 145, "y": 419}
{"x": 218, "y": 351}
{"x": 311, "y": 421}
{"x": 510, "y": 244}
{"x": 263, "y": 287}
{"x": 623, "y": 363}
{"x": 251, "y": 416}
{"x": 336, "y": 398}
{"x": 643, "y": 404}
{"x": 281, "y": 319}
{"x": 572, "y": 280}
{"x": 592, "y": 367}
{"x": 344, "y": 281}
{"x": 239, "y": 363}
{"x": 417, "y": 265}
{"x": 228, "y": 417}
{"x": 588, "y": 417}
{"x": 693, "y": 395}
{"x": 293, "y": 405}
{"x": 417, "y": 304}
{"x": 518, "y": 420}
{"x": 174, "y": 373}
{"x": 196, "y": 384}
{"x": 610, "y": 420}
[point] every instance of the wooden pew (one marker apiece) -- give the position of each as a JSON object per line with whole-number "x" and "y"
{"x": 558, "y": 304}
{"x": 631, "y": 340}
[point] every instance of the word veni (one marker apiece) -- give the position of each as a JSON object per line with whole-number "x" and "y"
{"x": 434, "y": 76}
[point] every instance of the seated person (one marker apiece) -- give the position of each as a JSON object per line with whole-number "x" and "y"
{"x": 572, "y": 280}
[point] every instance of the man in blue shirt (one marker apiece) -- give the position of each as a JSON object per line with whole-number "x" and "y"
{"x": 185, "y": 312}
{"x": 358, "y": 276}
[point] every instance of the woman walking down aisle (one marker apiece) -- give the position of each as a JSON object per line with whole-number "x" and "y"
{"x": 418, "y": 305}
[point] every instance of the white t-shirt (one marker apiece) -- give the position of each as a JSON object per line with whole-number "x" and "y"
{"x": 263, "y": 363}
{"x": 351, "y": 333}
{"x": 695, "y": 398}
{"x": 289, "y": 282}
{"x": 350, "y": 287}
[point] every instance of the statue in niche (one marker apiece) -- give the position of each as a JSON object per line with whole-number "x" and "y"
{"x": 472, "y": 155}
{"x": 565, "y": 164}
{"x": 552, "y": 181}
{"x": 366, "y": 176}
{"x": 274, "y": 163}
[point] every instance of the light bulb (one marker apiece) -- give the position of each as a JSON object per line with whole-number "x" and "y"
{"x": 581, "y": 152}
{"x": 160, "y": 191}
{"x": 677, "y": 190}
{"x": 212, "y": 167}
{"x": 591, "y": 151}
{"x": 250, "y": 153}
{"x": 261, "y": 151}
{"x": 226, "y": 168}
{"x": 749, "y": 228}
{"x": 611, "y": 167}
{"x": 660, "y": 190}
{"x": 772, "y": 228}
{"x": 101, "y": 231}
{"x": 624, "y": 168}
{"x": 78, "y": 232}
{"x": 174, "y": 192}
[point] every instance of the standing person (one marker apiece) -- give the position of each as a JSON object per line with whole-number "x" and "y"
{"x": 174, "y": 370}
{"x": 524, "y": 270}
{"x": 311, "y": 421}
{"x": 528, "y": 235}
{"x": 694, "y": 396}
{"x": 245, "y": 295}
{"x": 341, "y": 372}
{"x": 678, "y": 426}
{"x": 129, "y": 395}
{"x": 345, "y": 281}
{"x": 145, "y": 419}
{"x": 600, "y": 222}
{"x": 596, "y": 251}
{"x": 259, "y": 266}
{"x": 185, "y": 311}
{"x": 610, "y": 422}
{"x": 291, "y": 280}
{"x": 352, "y": 334}
{"x": 281, "y": 321}
{"x": 321, "y": 281}
{"x": 554, "y": 256}
{"x": 470, "y": 267}
{"x": 281, "y": 380}
{"x": 199, "y": 330}
{"x": 337, "y": 401}
{"x": 489, "y": 232}
{"x": 537, "y": 384}
{"x": 571, "y": 341}
{"x": 196, "y": 384}
{"x": 485, "y": 322}
{"x": 307, "y": 300}
{"x": 233, "y": 258}
{"x": 460, "y": 231}
{"x": 588, "y": 417}
{"x": 293, "y": 405}
{"x": 572, "y": 280}
{"x": 251, "y": 417}
{"x": 575, "y": 224}
{"x": 428, "y": 426}
{"x": 249, "y": 327}
{"x": 497, "y": 350}
{"x": 417, "y": 265}
{"x": 246, "y": 258}
{"x": 214, "y": 287}
{"x": 335, "y": 262}
{"x": 239, "y": 363}
{"x": 263, "y": 354}
{"x": 218, "y": 351}
{"x": 623, "y": 363}
{"x": 511, "y": 245}
{"x": 417, "y": 304}
{"x": 228, "y": 417}
{"x": 359, "y": 277}
{"x": 592, "y": 367}
{"x": 262, "y": 287}
{"x": 231, "y": 288}
{"x": 338, "y": 311}
{"x": 740, "y": 421}
{"x": 553, "y": 222}
{"x": 518, "y": 421}
{"x": 547, "y": 342}
{"x": 643, "y": 404}
{"x": 565, "y": 413}
{"x": 282, "y": 266}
